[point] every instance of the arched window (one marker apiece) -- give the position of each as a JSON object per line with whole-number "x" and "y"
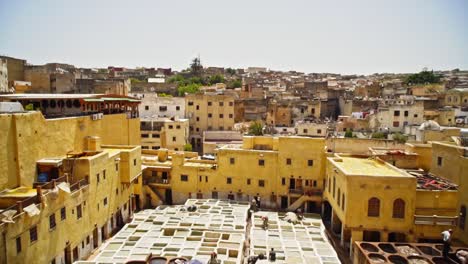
{"x": 462, "y": 217}
{"x": 373, "y": 207}
{"x": 398, "y": 208}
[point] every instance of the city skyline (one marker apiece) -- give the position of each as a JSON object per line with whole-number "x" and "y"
{"x": 337, "y": 37}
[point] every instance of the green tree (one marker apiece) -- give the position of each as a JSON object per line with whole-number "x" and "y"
{"x": 189, "y": 88}
{"x": 214, "y": 79}
{"x": 235, "y": 84}
{"x": 188, "y": 147}
{"x": 176, "y": 79}
{"x": 400, "y": 138}
{"x": 424, "y": 77}
{"x": 134, "y": 80}
{"x": 230, "y": 71}
{"x": 256, "y": 128}
{"x": 164, "y": 95}
{"x": 348, "y": 133}
{"x": 378, "y": 135}
{"x": 196, "y": 67}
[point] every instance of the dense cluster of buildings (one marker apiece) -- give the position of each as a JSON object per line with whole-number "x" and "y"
{"x": 83, "y": 150}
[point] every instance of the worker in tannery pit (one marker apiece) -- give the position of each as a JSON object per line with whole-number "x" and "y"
{"x": 462, "y": 255}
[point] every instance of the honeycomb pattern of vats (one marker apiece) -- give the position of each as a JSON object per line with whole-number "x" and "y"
{"x": 304, "y": 242}
{"x": 172, "y": 231}
{"x": 404, "y": 253}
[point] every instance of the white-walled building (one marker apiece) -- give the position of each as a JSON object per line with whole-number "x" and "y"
{"x": 153, "y": 106}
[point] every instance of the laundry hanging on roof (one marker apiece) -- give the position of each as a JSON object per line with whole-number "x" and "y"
{"x": 32, "y": 210}
{"x": 7, "y": 216}
{"x": 64, "y": 186}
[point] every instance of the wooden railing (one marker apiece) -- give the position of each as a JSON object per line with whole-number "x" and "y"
{"x": 435, "y": 220}
{"x": 306, "y": 191}
{"x": 77, "y": 185}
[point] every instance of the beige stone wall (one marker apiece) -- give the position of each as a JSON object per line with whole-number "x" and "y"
{"x": 26, "y": 138}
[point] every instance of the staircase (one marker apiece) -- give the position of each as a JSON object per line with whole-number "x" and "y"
{"x": 155, "y": 193}
{"x": 298, "y": 203}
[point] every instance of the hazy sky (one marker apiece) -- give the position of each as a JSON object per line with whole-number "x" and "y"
{"x": 312, "y": 36}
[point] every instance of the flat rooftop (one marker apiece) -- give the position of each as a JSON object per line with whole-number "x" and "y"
{"x": 366, "y": 167}
{"x": 20, "y": 192}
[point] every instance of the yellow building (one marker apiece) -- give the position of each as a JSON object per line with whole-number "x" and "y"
{"x": 62, "y": 192}
{"x": 285, "y": 172}
{"x": 164, "y": 133}
{"x": 367, "y": 199}
{"x": 208, "y": 111}
{"x": 456, "y": 97}
{"x": 450, "y": 160}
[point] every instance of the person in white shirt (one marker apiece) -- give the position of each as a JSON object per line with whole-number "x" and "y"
{"x": 447, "y": 238}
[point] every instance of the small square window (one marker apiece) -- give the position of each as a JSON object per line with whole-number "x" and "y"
{"x": 79, "y": 212}
{"x": 209, "y": 103}
{"x": 146, "y": 107}
{"x": 283, "y": 181}
{"x": 305, "y": 131}
{"x": 230, "y": 115}
{"x": 396, "y": 113}
{"x": 229, "y": 180}
{"x": 319, "y": 131}
{"x": 261, "y": 162}
{"x": 261, "y": 183}
{"x": 134, "y": 162}
{"x": 439, "y": 161}
{"x": 310, "y": 163}
{"x": 171, "y": 126}
{"x": 249, "y": 181}
{"x": 190, "y": 103}
{"x": 178, "y": 126}
{"x": 221, "y": 103}
{"x": 183, "y": 177}
{"x": 174, "y": 139}
{"x": 104, "y": 174}
{"x": 231, "y": 103}
{"x": 210, "y": 115}
{"x": 288, "y": 161}
{"x": 33, "y": 234}
{"x": 221, "y": 116}
{"x": 232, "y": 160}
{"x": 406, "y": 113}
{"x": 52, "y": 223}
{"x": 177, "y": 108}
{"x": 98, "y": 177}
{"x": 105, "y": 201}
{"x": 63, "y": 213}
{"x": 198, "y": 107}
{"x": 198, "y": 118}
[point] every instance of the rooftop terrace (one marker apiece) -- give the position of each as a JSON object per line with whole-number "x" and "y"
{"x": 366, "y": 167}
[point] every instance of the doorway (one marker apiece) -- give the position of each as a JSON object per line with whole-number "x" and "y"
{"x": 95, "y": 238}
{"x": 168, "y": 196}
{"x": 292, "y": 184}
{"x": 284, "y": 202}
{"x": 68, "y": 256}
